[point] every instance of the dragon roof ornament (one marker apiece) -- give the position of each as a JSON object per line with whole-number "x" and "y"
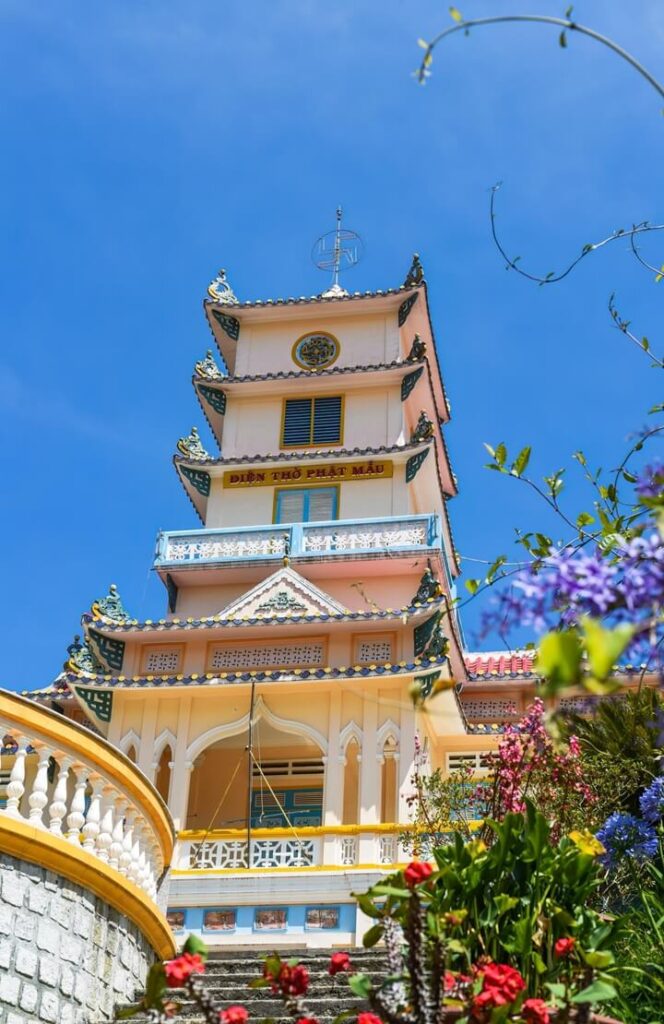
{"x": 207, "y": 368}
{"x": 111, "y": 606}
{"x": 221, "y": 291}
{"x": 191, "y": 447}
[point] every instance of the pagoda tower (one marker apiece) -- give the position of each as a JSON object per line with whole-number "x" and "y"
{"x": 277, "y": 706}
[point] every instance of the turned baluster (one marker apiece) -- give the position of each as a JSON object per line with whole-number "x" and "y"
{"x": 127, "y": 842}
{"x": 105, "y": 836}
{"x": 91, "y": 828}
{"x": 76, "y": 816}
{"x": 16, "y": 784}
{"x": 39, "y": 794}
{"x": 116, "y": 847}
{"x": 58, "y": 806}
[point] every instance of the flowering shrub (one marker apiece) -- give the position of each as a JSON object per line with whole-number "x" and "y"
{"x": 492, "y": 926}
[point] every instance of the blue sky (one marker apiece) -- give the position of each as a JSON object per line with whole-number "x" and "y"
{"x": 145, "y": 143}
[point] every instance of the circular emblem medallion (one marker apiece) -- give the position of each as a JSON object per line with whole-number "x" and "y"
{"x": 315, "y": 351}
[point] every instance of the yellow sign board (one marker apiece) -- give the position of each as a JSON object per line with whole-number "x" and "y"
{"x": 318, "y": 473}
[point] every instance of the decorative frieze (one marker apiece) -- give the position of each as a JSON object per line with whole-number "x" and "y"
{"x": 414, "y": 463}
{"x": 215, "y": 399}
{"x": 409, "y": 382}
{"x": 406, "y": 307}
{"x": 198, "y": 478}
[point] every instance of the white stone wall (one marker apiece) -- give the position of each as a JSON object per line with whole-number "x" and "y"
{"x": 66, "y": 957}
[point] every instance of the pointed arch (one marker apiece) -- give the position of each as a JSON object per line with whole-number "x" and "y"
{"x": 130, "y": 739}
{"x": 350, "y": 731}
{"x": 164, "y": 739}
{"x": 389, "y": 730}
{"x": 261, "y": 710}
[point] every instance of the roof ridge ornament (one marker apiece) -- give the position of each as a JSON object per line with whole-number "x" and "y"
{"x": 208, "y": 368}
{"x": 424, "y": 429}
{"x": 221, "y": 291}
{"x": 415, "y": 275}
{"x": 191, "y": 447}
{"x": 111, "y": 606}
{"x": 82, "y": 658}
{"x": 417, "y": 350}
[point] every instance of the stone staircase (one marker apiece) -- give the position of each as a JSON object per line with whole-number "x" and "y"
{"x": 227, "y": 976}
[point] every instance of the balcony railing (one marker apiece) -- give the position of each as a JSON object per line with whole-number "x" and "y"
{"x": 72, "y": 801}
{"x": 317, "y": 846}
{"x": 298, "y": 540}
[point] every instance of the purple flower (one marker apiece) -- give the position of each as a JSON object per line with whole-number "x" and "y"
{"x": 623, "y": 835}
{"x": 650, "y": 483}
{"x": 651, "y": 802}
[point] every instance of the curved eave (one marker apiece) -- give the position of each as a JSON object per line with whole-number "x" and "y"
{"x": 216, "y": 467}
{"x": 286, "y": 380}
{"x": 175, "y": 625}
{"x": 301, "y": 307}
{"x": 420, "y": 322}
{"x": 383, "y": 671}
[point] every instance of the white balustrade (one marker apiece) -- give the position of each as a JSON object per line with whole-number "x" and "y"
{"x": 265, "y": 853}
{"x": 229, "y": 852}
{"x": 297, "y": 539}
{"x": 52, "y": 788}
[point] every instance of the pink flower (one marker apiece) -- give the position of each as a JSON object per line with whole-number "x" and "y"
{"x": 179, "y": 971}
{"x": 417, "y": 871}
{"x": 368, "y": 1018}
{"x": 234, "y": 1015}
{"x": 339, "y": 962}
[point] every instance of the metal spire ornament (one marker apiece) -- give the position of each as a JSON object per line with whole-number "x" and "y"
{"x": 341, "y": 249}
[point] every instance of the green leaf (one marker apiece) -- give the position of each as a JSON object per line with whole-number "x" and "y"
{"x": 521, "y": 461}
{"x": 604, "y": 646}
{"x": 584, "y": 519}
{"x": 595, "y": 958}
{"x": 562, "y": 39}
{"x": 597, "y": 992}
{"x": 372, "y": 936}
{"x": 391, "y": 890}
{"x": 645, "y": 344}
{"x": 501, "y": 454}
{"x": 129, "y": 1011}
{"x": 559, "y": 658}
{"x": 366, "y": 905}
{"x": 493, "y": 569}
{"x": 660, "y": 276}
{"x": 195, "y": 945}
{"x": 491, "y": 451}
{"x": 505, "y": 903}
{"x": 456, "y": 14}
{"x": 423, "y": 43}
{"x": 568, "y": 12}
{"x": 360, "y": 985}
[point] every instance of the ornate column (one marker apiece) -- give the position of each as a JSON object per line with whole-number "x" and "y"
{"x": 408, "y": 728}
{"x": 91, "y": 828}
{"x": 369, "y": 780}
{"x": 76, "y": 816}
{"x": 181, "y": 773}
{"x": 333, "y": 795}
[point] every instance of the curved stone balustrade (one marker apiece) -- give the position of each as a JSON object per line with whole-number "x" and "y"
{"x": 78, "y": 806}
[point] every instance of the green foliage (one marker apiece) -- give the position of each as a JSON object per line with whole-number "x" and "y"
{"x": 519, "y": 896}
{"x": 620, "y": 745}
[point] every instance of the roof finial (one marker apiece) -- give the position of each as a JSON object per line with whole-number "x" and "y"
{"x": 221, "y": 291}
{"x": 337, "y": 250}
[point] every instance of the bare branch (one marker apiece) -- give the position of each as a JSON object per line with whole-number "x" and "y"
{"x": 641, "y": 343}
{"x": 564, "y": 23}
{"x": 552, "y": 277}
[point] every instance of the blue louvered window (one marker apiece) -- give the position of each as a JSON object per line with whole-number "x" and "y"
{"x": 312, "y": 421}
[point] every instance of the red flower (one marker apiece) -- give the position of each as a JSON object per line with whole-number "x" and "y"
{"x": 180, "y": 970}
{"x": 416, "y": 872}
{"x": 339, "y": 962}
{"x": 234, "y": 1015}
{"x": 503, "y": 983}
{"x": 449, "y": 981}
{"x": 368, "y": 1018}
{"x": 535, "y": 1011}
{"x": 564, "y": 947}
{"x": 293, "y": 981}
{"x": 306, "y": 1020}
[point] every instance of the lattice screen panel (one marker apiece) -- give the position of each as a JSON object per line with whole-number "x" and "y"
{"x": 370, "y": 651}
{"x": 159, "y": 660}
{"x": 477, "y": 761}
{"x": 489, "y": 710}
{"x": 288, "y": 655}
